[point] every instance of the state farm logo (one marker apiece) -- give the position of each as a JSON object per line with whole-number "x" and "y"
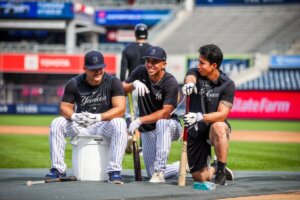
{"x": 263, "y": 105}
{"x": 55, "y": 63}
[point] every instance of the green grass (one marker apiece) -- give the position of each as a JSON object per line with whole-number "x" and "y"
{"x": 25, "y": 151}
{"x": 265, "y": 125}
{"x": 26, "y": 120}
{"x": 271, "y": 125}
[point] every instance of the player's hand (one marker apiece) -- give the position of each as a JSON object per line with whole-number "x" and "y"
{"x": 79, "y": 118}
{"x": 135, "y": 124}
{"x": 91, "y": 118}
{"x": 141, "y": 88}
{"x": 189, "y": 88}
{"x": 191, "y": 118}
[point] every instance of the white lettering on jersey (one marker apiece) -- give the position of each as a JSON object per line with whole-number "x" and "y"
{"x": 89, "y": 99}
{"x": 210, "y": 94}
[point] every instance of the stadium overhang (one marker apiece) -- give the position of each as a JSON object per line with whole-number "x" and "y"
{"x": 33, "y": 24}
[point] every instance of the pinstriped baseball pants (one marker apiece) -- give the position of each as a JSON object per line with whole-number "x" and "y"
{"x": 157, "y": 145}
{"x": 61, "y": 128}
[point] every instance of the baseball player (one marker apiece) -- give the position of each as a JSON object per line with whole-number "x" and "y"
{"x": 132, "y": 56}
{"x": 211, "y": 98}
{"x": 93, "y": 104}
{"x": 157, "y": 97}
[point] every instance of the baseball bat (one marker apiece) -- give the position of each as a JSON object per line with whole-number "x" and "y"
{"x": 183, "y": 159}
{"x": 62, "y": 179}
{"x": 135, "y": 149}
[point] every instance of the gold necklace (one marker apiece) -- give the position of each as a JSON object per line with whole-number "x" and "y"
{"x": 154, "y": 84}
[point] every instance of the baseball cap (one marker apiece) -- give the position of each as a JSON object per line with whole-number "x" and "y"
{"x": 94, "y": 60}
{"x": 156, "y": 52}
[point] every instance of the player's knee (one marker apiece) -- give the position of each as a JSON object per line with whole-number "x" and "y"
{"x": 57, "y": 122}
{"x": 161, "y": 123}
{"x": 218, "y": 129}
{"x": 119, "y": 122}
{"x": 200, "y": 176}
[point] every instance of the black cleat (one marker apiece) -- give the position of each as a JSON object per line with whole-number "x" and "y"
{"x": 220, "y": 178}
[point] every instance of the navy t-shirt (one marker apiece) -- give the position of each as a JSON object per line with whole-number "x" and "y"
{"x": 210, "y": 94}
{"x": 221, "y": 90}
{"x": 93, "y": 99}
{"x": 165, "y": 92}
{"x": 132, "y": 56}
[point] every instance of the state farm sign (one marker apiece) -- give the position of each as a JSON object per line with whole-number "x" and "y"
{"x": 266, "y": 105}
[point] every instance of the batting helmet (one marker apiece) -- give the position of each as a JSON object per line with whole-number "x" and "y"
{"x": 141, "y": 31}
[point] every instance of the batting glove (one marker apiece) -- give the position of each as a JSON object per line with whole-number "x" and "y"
{"x": 189, "y": 88}
{"x": 92, "y": 118}
{"x": 135, "y": 124}
{"x": 191, "y": 118}
{"x": 79, "y": 118}
{"x": 141, "y": 88}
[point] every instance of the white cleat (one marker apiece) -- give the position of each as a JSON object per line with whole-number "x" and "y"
{"x": 157, "y": 177}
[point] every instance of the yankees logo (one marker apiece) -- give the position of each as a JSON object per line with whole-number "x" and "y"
{"x": 152, "y": 52}
{"x": 158, "y": 96}
{"x": 95, "y": 59}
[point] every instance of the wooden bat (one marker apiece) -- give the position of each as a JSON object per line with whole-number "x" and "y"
{"x": 183, "y": 159}
{"x": 62, "y": 179}
{"x": 135, "y": 149}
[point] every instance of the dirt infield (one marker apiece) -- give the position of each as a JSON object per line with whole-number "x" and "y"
{"x": 256, "y": 136}
{"x": 287, "y": 196}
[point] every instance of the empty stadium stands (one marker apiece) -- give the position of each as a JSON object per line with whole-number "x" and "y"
{"x": 275, "y": 79}
{"x": 236, "y": 29}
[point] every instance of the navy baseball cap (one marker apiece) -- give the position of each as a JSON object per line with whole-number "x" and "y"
{"x": 94, "y": 60}
{"x": 156, "y": 53}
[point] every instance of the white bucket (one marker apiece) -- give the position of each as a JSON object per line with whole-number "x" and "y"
{"x": 90, "y": 157}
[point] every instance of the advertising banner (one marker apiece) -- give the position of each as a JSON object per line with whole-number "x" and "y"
{"x": 285, "y": 62}
{"x": 230, "y": 64}
{"x": 36, "y": 10}
{"x": 29, "y": 109}
{"x": 247, "y": 2}
{"x": 130, "y": 17}
{"x": 266, "y": 105}
{"x": 50, "y": 63}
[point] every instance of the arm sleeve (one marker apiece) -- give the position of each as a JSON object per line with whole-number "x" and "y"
{"x": 69, "y": 92}
{"x": 124, "y": 66}
{"x": 171, "y": 93}
{"x": 117, "y": 88}
{"x": 228, "y": 94}
{"x": 134, "y": 75}
{"x": 192, "y": 71}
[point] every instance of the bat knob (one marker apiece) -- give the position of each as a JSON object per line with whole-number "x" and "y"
{"x": 29, "y": 183}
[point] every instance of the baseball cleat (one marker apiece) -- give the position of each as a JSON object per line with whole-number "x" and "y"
{"x": 54, "y": 173}
{"x": 228, "y": 172}
{"x": 157, "y": 177}
{"x": 220, "y": 178}
{"x": 115, "y": 177}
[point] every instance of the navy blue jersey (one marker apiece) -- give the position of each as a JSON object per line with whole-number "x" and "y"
{"x": 214, "y": 92}
{"x": 93, "y": 99}
{"x": 208, "y": 98}
{"x": 132, "y": 56}
{"x": 165, "y": 92}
